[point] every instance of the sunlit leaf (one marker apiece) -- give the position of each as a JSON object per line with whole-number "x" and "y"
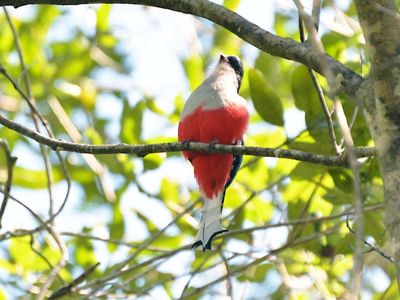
{"x": 22, "y": 255}
{"x": 117, "y": 226}
{"x": 84, "y": 254}
{"x": 152, "y": 161}
{"x": 304, "y": 93}
{"x": 103, "y": 13}
{"x": 231, "y": 4}
{"x": 343, "y": 179}
{"x": 169, "y": 191}
{"x": 255, "y": 274}
{"x": 34, "y": 179}
{"x": 194, "y": 70}
{"x": 266, "y": 101}
{"x": 131, "y": 122}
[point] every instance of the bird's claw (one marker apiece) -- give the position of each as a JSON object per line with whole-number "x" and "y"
{"x": 211, "y": 145}
{"x": 186, "y": 143}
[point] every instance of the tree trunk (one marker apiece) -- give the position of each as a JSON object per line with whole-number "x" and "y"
{"x": 380, "y": 98}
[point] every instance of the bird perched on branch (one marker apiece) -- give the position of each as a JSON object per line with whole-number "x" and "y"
{"x": 215, "y": 113}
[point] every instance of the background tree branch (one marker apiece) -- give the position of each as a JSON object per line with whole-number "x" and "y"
{"x": 248, "y": 31}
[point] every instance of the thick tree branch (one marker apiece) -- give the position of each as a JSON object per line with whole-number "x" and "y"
{"x": 251, "y": 33}
{"x": 143, "y": 150}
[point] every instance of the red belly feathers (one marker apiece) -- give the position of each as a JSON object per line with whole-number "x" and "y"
{"x": 224, "y": 125}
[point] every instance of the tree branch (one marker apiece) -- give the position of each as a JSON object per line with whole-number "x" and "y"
{"x": 251, "y": 33}
{"x": 10, "y": 167}
{"x": 143, "y": 150}
{"x": 65, "y": 290}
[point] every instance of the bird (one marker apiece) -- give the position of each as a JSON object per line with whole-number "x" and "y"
{"x": 216, "y": 114}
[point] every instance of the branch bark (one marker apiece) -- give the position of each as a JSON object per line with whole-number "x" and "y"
{"x": 143, "y": 150}
{"x": 248, "y": 31}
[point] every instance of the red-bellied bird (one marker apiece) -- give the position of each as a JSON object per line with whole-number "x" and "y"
{"x": 215, "y": 113}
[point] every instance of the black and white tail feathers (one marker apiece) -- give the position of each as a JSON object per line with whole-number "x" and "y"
{"x": 210, "y": 224}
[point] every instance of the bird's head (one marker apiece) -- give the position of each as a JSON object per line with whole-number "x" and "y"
{"x": 232, "y": 64}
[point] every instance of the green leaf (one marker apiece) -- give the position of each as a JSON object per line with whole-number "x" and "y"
{"x": 374, "y": 226}
{"x": 84, "y": 251}
{"x": 307, "y": 171}
{"x": 3, "y": 295}
{"x": 266, "y": 102}
{"x": 131, "y": 122}
{"x": 24, "y": 258}
{"x": 34, "y": 179}
{"x": 390, "y": 293}
{"x": 259, "y": 170}
{"x": 255, "y": 273}
{"x": 194, "y": 70}
{"x": 169, "y": 191}
{"x": 103, "y": 12}
{"x": 303, "y": 91}
{"x": 226, "y": 42}
{"x": 307, "y": 142}
{"x": 231, "y": 4}
{"x": 117, "y": 226}
{"x": 343, "y": 179}
{"x": 267, "y": 139}
{"x": 272, "y": 71}
{"x": 152, "y": 161}
{"x": 151, "y": 105}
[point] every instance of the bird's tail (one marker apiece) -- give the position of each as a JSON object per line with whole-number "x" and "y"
{"x": 210, "y": 224}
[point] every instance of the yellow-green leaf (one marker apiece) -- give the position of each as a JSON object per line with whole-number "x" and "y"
{"x": 266, "y": 102}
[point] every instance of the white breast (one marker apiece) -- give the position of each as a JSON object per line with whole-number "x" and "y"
{"x": 218, "y": 90}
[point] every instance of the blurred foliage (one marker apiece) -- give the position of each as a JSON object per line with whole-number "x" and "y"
{"x": 318, "y": 259}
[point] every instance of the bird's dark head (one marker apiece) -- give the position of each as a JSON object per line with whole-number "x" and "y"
{"x": 235, "y": 63}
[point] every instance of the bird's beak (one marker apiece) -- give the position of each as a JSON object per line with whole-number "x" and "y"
{"x": 223, "y": 58}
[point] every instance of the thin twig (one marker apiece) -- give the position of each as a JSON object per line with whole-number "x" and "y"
{"x": 192, "y": 275}
{"x": 253, "y": 194}
{"x": 372, "y": 247}
{"x": 41, "y": 255}
{"x": 101, "y": 282}
{"x": 296, "y": 232}
{"x": 36, "y": 116}
{"x": 35, "y": 215}
{"x": 10, "y": 167}
{"x": 318, "y": 88}
{"x": 142, "y": 150}
{"x": 352, "y": 158}
{"x": 359, "y": 216}
{"x": 134, "y": 245}
{"x": 34, "y": 113}
{"x": 51, "y": 135}
{"x": 57, "y": 268}
{"x": 65, "y": 290}
{"x": 229, "y": 284}
{"x": 317, "y": 46}
{"x": 316, "y": 12}
{"x": 90, "y": 159}
{"x": 121, "y": 269}
{"x": 297, "y": 222}
{"x": 258, "y": 261}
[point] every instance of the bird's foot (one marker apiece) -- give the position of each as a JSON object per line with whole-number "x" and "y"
{"x": 186, "y": 143}
{"x": 207, "y": 245}
{"x": 211, "y": 145}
